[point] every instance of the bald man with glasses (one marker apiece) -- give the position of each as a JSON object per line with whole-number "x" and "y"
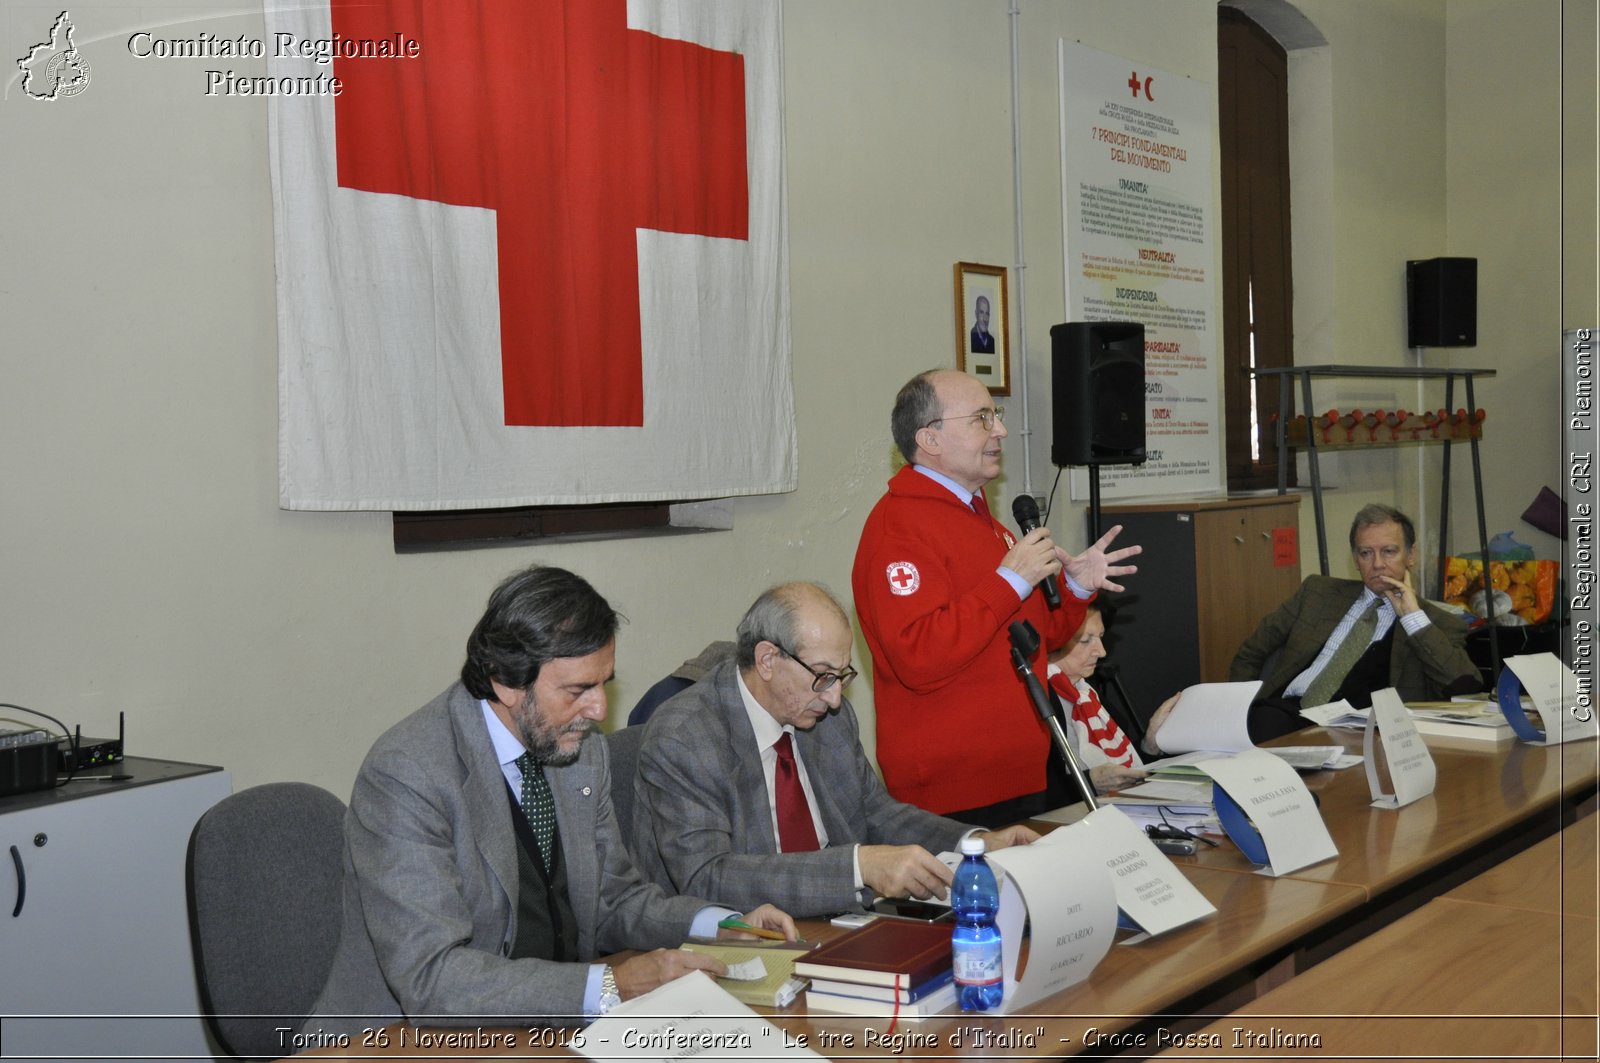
{"x": 754, "y": 781}
{"x": 938, "y": 582}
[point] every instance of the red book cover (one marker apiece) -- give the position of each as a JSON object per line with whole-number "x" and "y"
{"x": 880, "y": 952}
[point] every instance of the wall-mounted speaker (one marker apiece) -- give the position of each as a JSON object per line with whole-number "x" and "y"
{"x": 1097, "y": 393}
{"x": 1442, "y": 302}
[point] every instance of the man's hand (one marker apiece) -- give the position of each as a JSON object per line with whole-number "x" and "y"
{"x": 1005, "y": 837}
{"x": 1035, "y": 558}
{"x": 1114, "y": 776}
{"x": 765, "y": 917}
{"x": 638, "y": 975}
{"x": 1401, "y": 594}
{"x": 1151, "y": 744}
{"x": 903, "y": 871}
{"x": 1093, "y": 568}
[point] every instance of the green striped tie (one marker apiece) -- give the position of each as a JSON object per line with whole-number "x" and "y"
{"x": 1332, "y": 676}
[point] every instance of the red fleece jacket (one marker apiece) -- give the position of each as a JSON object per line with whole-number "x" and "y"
{"x": 955, "y": 727}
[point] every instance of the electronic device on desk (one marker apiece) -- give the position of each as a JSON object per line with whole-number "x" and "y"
{"x": 27, "y": 761}
{"x": 77, "y": 753}
{"x": 906, "y": 908}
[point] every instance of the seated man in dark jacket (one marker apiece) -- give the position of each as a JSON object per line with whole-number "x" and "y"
{"x": 1339, "y": 638}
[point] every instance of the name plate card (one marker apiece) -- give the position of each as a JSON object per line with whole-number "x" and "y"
{"x": 1411, "y": 768}
{"x": 1072, "y": 905}
{"x": 1151, "y": 891}
{"x": 1565, "y": 709}
{"x": 1268, "y": 812}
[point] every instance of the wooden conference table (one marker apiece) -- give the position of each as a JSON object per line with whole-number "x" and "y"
{"x": 1487, "y": 807}
{"x": 1501, "y": 967}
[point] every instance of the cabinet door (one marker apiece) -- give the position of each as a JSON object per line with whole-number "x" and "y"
{"x": 1239, "y": 578}
{"x": 101, "y": 945}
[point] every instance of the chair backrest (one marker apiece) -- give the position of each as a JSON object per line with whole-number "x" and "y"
{"x": 623, "y": 746}
{"x": 683, "y": 677}
{"x": 264, "y": 871}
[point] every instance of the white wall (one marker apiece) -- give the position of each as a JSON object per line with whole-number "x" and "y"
{"x": 147, "y": 568}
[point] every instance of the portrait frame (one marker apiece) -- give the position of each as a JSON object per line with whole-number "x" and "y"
{"x": 991, "y": 362}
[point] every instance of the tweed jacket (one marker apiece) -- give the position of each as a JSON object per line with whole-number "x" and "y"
{"x": 1427, "y": 666}
{"x": 430, "y": 882}
{"x": 701, "y": 813}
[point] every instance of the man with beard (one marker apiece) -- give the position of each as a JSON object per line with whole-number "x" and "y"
{"x": 484, "y": 871}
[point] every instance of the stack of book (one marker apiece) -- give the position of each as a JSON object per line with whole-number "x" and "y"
{"x": 1469, "y": 724}
{"x": 888, "y": 968}
{"x": 758, "y": 972}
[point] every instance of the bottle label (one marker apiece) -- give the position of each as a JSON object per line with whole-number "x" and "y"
{"x": 977, "y": 963}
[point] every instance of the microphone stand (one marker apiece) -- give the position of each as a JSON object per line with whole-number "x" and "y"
{"x": 1127, "y": 719}
{"x": 1024, "y": 644}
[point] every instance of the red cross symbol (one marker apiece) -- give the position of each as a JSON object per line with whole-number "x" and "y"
{"x": 904, "y": 577}
{"x": 1135, "y": 84}
{"x": 577, "y": 132}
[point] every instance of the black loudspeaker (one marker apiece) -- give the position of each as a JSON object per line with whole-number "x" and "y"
{"x": 1097, "y": 392}
{"x": 1442, "y": 302}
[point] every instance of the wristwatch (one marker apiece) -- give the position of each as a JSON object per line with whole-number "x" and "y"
{"x": 609, "y": 997}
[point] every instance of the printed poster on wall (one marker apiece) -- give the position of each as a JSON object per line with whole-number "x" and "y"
{"x": 1136, "y": 197}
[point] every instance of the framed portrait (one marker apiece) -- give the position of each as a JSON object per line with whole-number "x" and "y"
{"x": 983, "y": 336}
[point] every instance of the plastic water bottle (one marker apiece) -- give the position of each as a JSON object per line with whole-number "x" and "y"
{"x": 975, "y": 943}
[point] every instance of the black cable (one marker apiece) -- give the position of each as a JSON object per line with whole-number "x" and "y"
{"x": 1050, "y": 501}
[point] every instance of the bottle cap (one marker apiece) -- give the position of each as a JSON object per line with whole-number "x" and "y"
{"x": 972, "y": 845}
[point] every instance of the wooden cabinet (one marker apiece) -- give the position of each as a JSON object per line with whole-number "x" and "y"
{"x": 1211, "y": 569}
{"x": 95, "y": 958}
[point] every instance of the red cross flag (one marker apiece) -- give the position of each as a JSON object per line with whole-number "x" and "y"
{"x": 531, "y": 252}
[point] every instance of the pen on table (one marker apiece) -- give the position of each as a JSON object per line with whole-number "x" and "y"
{"x": 760, "y": 932}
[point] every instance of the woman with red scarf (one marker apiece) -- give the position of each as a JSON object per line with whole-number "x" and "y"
{"x": 1103, "y": 748}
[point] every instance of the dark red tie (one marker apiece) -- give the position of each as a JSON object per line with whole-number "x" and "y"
{"x": 796, "y": 832}
{"x": 979, "y": 508}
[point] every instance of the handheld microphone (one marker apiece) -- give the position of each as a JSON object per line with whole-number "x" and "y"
{"x": 1026, "y": 513}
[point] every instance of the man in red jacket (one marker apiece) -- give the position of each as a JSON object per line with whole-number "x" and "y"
{"x": 938, "y": 582}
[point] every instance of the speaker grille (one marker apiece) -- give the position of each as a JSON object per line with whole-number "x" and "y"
{"x": 1097, "y": 392}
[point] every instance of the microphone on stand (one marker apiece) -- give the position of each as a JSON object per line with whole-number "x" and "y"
{"x": 1024, "y": 644}
{"x": 1026, "y": 513}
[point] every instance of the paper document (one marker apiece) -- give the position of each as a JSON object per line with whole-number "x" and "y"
{"x": 1210, "y": 716}
{"x": 1308, "y": 758}
{"x": 1335, "y": 714}
{"x": 691, "y": 1017}
{"x": 1166, "y": 791}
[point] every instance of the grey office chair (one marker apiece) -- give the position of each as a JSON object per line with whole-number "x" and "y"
{"x": 623, "y": 746}
{"x": 264, "y": 870}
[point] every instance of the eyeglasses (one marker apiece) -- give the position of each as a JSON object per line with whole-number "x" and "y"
{"x": 987, "y": 418}
{"x": 820, "y": 681}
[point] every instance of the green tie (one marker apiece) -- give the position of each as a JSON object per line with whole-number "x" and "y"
{"x": 1327, "y": 682}
{"x": 538, "y": 806}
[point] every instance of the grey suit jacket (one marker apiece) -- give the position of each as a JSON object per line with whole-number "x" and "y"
{"x": 430, "y": 882}
{"x": 701, "y": 813}
{"x": 1427, "y": 666}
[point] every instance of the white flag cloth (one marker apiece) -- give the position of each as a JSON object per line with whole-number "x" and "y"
{"x": 453, "y": 329}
